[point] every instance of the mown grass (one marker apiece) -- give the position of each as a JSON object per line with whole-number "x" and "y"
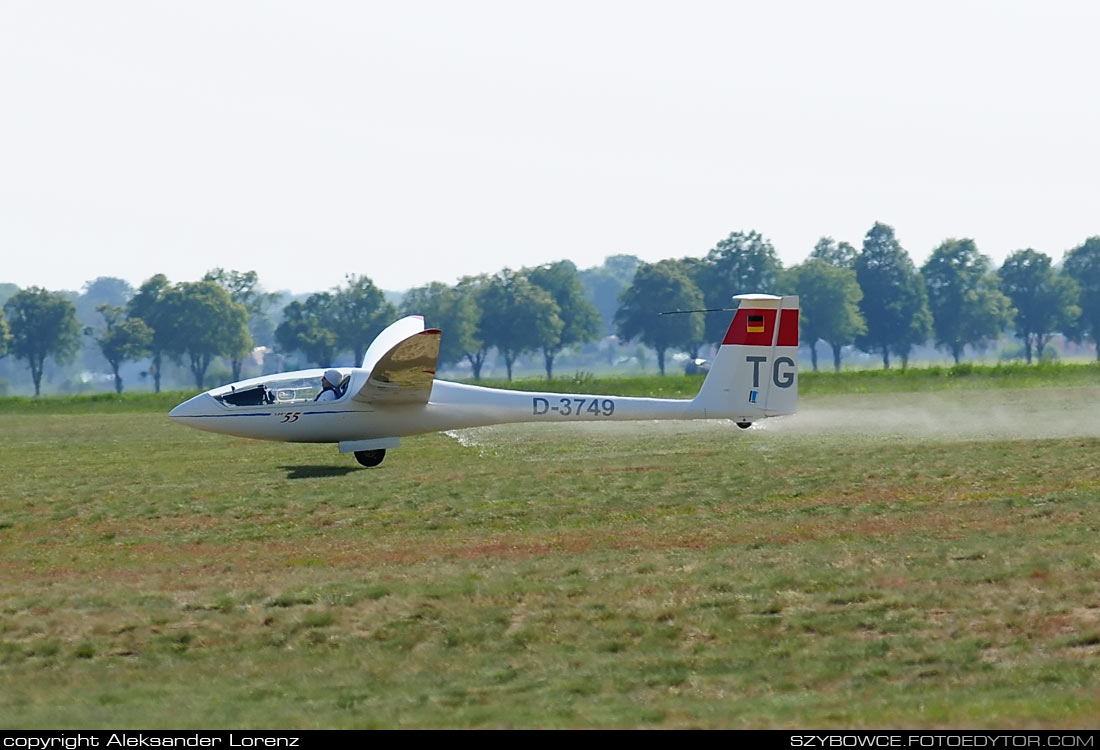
{"x": 620, "y": 575}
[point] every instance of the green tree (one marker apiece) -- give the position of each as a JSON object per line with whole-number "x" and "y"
{"x": 208, "y": 324}
{"x": 310, "y": 327}
{"x": 104, "y": 290}
{"x": 244, "y": 289}
{"x": 742, "y": 262}
{"x": 7, "y": 291}
{"x": 603, "y": 285}
{"x": 839, "y": 254}
{"x": 361, "y": 312}
{"x": 124, "y": 339}
{"x": 472, "y": 341}
{"x": 148, "y": 304}
{"x": 1044, "y": 300}
{"x": 1082, "y": 264}
{"x": 829, "y": 297}
{"x": 967, "y": 307}
{"x": 5, "y": 334}
{"x": 662, "y": 287}
{"x": 517, "y": 316}
{"x": 446, "y": 308}
{"x": 43, "y": 324}
{"x": 895, "y": 303}
{"x": 580, "y": 319}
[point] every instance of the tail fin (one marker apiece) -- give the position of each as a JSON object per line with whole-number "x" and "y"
{"x": 755, "y": 373}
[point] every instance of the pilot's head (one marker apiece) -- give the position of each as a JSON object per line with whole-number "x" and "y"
{"x": 331, "y": 379}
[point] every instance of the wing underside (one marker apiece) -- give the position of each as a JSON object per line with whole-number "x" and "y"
{"x": 404, "y": 374}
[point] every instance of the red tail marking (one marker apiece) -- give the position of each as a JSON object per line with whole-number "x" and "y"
{"x": 788, "y": 328}
{"x": 742, "y": 332}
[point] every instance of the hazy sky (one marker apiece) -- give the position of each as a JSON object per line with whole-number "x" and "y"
{"x": 420, "y": 141}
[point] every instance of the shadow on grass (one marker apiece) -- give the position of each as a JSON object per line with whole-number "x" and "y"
{"x": 317, "y": 472}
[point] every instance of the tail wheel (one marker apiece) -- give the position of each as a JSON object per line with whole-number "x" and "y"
{"x": 370, "y": 458}
{"x": 742, "y": 425}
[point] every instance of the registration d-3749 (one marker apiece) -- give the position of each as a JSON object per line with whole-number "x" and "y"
{"x": 567, "y": 406}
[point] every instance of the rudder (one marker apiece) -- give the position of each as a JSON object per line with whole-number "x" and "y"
{"x": 755, "y": 373}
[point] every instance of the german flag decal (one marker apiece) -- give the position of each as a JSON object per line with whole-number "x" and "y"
{"x": 755, "y": 323}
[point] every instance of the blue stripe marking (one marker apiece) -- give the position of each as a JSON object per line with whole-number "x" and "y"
{"x": 220, "y": 416}
{"x": 268, "y": 414}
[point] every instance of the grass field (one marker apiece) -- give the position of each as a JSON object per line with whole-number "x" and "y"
{"x": 890, "y": 559}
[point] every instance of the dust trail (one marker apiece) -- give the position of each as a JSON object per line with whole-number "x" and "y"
{"x": 1039, "y": 413}
{"x": 470, "y": 438}
{"x": 479, "y": 438}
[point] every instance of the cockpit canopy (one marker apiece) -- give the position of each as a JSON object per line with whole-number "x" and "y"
{"x": 281, "y": 389}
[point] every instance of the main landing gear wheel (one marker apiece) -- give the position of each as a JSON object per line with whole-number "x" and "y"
{"x": 370, "y": 458}
{"x": 742, "y": 425}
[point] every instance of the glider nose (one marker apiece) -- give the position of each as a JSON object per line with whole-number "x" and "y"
{"x": 193, "y": 407}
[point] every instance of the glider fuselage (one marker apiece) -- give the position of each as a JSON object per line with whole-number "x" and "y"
{"x": 451, "y": 406}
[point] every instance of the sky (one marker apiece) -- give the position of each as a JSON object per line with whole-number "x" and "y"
{"x": 422, "y": 141}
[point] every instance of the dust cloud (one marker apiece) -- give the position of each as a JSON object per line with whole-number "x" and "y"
{"x": 1037, "y": 413}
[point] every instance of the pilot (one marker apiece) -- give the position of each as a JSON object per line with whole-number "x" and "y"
{"x": 330, "y": 386}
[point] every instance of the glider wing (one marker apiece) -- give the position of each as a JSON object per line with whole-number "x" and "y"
{"x": 404, "y": 373}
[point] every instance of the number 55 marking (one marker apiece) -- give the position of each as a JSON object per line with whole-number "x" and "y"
{"x": 291, "y": 417}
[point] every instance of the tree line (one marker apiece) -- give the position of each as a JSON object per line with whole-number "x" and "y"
{"x": 874, "y": 299}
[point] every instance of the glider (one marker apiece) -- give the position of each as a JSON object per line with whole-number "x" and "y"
{"x": 395, "y": 393}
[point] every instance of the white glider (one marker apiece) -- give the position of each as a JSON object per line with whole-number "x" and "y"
{"x": 394, "y": 393}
